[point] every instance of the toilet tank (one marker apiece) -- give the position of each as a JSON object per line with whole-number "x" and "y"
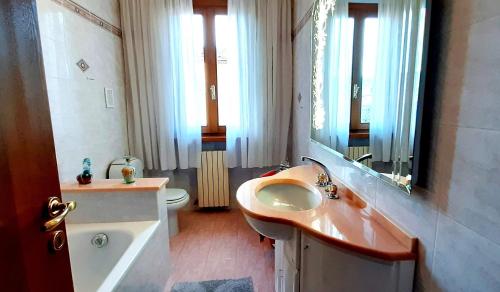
{"x": 115, "y": 168}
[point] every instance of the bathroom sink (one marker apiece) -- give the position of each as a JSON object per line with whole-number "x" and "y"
{"x": 288, "y": 197}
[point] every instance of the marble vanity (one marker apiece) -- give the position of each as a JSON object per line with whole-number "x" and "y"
{"x": 324, "y": 244}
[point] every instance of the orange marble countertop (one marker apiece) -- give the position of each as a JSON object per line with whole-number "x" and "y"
{"x": 117, "y": 185}
{"x": 349, "y": 223}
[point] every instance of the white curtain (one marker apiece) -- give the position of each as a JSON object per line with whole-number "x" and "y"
{"x": 257, "y": 132}
{"x": 337, "y": 80}
{"x": 400, "y": 36}
{"x": 164, "y": 123}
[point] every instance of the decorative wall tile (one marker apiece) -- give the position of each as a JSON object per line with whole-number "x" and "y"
{"x": 108, "y": 10}
{"x": 90, "y": 16}
{"x": 82, "y": 65}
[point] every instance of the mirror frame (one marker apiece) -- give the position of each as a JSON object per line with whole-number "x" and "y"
{"x": 324, "y": 6}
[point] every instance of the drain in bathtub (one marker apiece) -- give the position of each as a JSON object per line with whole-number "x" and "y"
{"x": 99, "y": 240}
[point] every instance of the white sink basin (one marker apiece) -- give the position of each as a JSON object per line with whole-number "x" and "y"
{"x": 288, "y": 197}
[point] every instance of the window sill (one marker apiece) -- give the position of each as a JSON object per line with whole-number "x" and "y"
{"x": 359, "y": 135}
{"x": 213, "y": 138}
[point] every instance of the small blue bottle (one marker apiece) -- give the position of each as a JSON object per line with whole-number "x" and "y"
{"x": 86, "y": 176}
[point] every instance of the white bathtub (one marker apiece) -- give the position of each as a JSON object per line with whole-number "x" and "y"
{"x": 101, "y": 269}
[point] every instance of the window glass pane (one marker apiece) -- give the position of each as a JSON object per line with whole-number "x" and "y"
{"x": 369, "y": 59}
{"x": 225, "y": 88}
{"x": 199, "y": 44}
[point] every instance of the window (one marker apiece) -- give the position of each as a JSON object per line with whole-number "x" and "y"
{"x": 211, "y": 44}
{"x": 363, "y": 18}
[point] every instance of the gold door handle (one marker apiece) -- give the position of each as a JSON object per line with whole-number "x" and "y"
{"x": 58, "y": 211}
{"x": 355, "y": 91}
{"x": 213, "y": 92}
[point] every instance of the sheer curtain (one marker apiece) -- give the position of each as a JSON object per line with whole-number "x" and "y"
{"x": 164, "y": 123}
{"x": 400, "y": 34}
{"x": 257, "y": 133}
{"x": 338, "y": 71}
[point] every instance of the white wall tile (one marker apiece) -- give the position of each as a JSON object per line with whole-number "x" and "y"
{"x": 361, "y": 182}
{"x": 452, "y": 63}
{"x": 82, "y": 126}
{"x": 482, "y": 77}
{"x": 301, "y": 93}
{"x": 472, "y": 194}
{"x": 107, "y": 207}
{"x": 417, "y": 214}
{"x": 486, "y": 9}
{"x": 336, "y": 165}
{"x": 464, "y": 260}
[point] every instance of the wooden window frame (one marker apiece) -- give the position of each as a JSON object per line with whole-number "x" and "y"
{"x": 359, "y": 12}
{"x": 212, "y": 132}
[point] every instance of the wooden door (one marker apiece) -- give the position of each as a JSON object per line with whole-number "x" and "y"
{"x": 28, "y": 169}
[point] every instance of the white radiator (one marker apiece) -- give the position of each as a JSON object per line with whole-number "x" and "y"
{"x": 357, "y": 152}
{"x": 213, "y": 182}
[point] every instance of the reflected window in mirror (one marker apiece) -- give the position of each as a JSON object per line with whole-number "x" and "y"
{"x": 367, "y": 65}
{"x": 364, "y": 22}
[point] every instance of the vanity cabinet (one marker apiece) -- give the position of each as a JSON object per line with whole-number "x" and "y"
{"x": 306, "y": 263}
{"x": 338, "y": 245}
{"x": 287, "y": 264}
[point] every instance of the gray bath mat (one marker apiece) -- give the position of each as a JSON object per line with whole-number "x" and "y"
{"x": 229, "y": 285}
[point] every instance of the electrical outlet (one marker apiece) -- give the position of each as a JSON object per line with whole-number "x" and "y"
{"x": 109, "y": 97}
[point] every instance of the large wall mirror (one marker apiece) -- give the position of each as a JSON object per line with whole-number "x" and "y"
{"x": 368, "y": 81}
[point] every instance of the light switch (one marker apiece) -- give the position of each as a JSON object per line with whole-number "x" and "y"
{"x": 109, "y": 97}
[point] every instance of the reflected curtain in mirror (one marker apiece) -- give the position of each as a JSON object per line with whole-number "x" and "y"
{"x": 335, "y": 88}
{"x": 398, "y": 74}
{"x": 366, "y": 92}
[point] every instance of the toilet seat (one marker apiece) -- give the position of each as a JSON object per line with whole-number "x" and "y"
{"x": 174, "y": 196}
{"x": 174, "y": 200}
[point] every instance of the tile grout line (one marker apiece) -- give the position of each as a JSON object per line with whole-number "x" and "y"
{"x": 436, "y": 233}
{"x": 483, "y": 237}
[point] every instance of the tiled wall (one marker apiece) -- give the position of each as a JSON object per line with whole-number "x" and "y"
{"x": 82, "y": 125}
{"x": 457, "y": 217}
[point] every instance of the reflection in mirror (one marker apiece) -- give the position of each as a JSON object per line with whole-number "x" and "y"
{"x": 367, "y": 82}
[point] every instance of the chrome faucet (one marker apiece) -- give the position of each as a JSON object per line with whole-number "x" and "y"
{"x": 284, "y": 165}
{"x": 330, "y": 187}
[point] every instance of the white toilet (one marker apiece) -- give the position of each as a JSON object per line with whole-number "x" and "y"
{"x": 174, "y": 198}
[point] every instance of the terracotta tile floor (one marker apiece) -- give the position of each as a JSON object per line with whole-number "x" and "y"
{"x": 219, "y": 245}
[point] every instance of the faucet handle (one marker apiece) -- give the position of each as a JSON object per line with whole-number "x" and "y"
{"x": 284, "y": 165}
{"x": 322, "y": 179}
{"x": 331, "y": 191}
